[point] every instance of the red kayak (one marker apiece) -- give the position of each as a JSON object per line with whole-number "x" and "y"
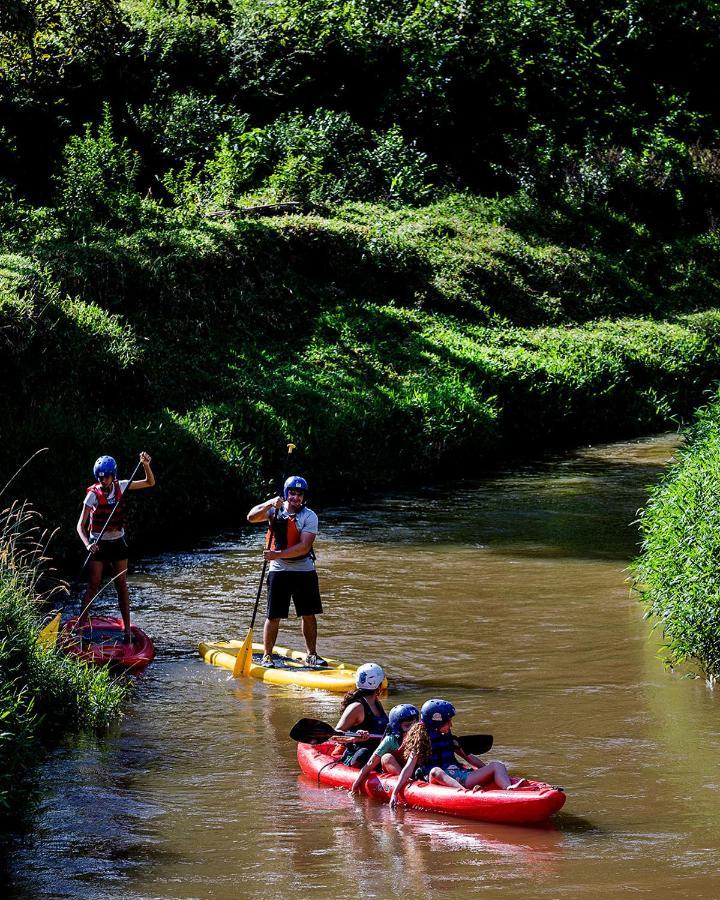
{"x": 530, "y": 804}
{"x": 101, "y": 643}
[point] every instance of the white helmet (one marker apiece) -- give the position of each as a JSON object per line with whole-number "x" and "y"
{"x": 369, "y": 677}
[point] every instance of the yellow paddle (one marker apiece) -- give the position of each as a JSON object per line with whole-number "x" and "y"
{"x": 243, "y": 660}
{"x": 48, "y": 635}
{"x": 244, "y": 657}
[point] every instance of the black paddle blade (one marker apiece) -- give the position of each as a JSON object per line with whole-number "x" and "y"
{"x": 312, "y": 731}
{"x": 476, "y": 743}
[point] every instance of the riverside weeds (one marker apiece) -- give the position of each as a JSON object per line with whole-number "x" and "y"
{"x": 677, "y": 572}
{"x": 43, "y": 692}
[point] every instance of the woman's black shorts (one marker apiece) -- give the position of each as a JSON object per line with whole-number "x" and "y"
{"x": 111, "y": 551}
{"x": 301, "y": 587}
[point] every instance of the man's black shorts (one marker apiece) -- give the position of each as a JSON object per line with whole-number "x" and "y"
{"x": 302, "y": 587}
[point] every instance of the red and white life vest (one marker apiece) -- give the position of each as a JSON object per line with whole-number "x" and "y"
{"x": 100, "y": 514}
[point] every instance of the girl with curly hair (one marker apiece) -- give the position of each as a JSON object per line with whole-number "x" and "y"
{"x": 430, "y": 750}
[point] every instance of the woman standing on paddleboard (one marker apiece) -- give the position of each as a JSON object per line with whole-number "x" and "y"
{"x": 101, "y": 527}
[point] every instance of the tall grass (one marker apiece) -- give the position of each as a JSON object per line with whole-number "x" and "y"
{"x": 678, "y": 572}
{"x": 43, "y": 693}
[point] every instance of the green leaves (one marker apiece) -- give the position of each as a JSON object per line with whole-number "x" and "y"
{"x": 678, "y": 570}
{"x": 97, "y": 182}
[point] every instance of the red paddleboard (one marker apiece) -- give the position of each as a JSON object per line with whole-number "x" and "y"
{"x": 101, "y": 644}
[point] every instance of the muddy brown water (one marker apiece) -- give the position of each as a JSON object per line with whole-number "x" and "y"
{"x": 507, "y": 596}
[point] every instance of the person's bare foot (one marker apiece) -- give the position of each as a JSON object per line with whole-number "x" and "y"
{"x": 520, "y": 783}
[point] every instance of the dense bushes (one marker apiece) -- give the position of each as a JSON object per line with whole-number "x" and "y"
{"x": 401, "y": 322}
{"x": 314, "y": 100}
{"x": 322, "y": 158}
{"x": 677, "y": 572}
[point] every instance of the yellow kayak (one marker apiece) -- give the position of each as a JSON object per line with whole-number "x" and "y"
{"x": 290, "y": 667}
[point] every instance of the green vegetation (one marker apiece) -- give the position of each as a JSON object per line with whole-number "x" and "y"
{"x": 43, "y": 693}
{"x": 388, "y": 342}
{"x": 677, "y": 571}
{"x": 502, "y": 235}
{"x": 368, "y": 99}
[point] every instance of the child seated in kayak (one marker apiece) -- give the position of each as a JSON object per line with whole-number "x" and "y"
{"x": 430, "y": 747}
{"x": 363, "y": 713}
{"x": 401, "y": 720}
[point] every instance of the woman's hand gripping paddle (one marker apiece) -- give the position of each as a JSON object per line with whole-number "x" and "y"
{"x": 314, "y": 731}
{"x": 47, "y": 636}
{"x": 243, "y": 660}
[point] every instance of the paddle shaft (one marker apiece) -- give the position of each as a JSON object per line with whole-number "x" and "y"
{"x": 314, "y": 731}
{"x": 260, "y": 587}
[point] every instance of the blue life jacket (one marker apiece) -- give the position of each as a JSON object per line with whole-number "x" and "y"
{"x": 443, "y": 745}
{"x": 441, "y": 755}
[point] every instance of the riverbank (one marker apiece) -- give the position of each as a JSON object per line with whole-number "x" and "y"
{"x": 43, "y": 693}
{"x": 677, "y": 571}
{"x": 389, "y": 345}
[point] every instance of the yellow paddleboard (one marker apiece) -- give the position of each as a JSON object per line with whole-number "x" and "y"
{"x": 290, "y": 667}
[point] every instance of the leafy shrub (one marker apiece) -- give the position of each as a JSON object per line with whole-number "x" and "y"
{"x": 187, "y": 126}
{"x": 219, "y": 182}
{"x": 98, "y": 178}
{"x": 322, "y": 158}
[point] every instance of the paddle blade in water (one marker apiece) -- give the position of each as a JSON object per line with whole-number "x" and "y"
{"x": 48, "y": 635}
{"x": 244, "y": 657}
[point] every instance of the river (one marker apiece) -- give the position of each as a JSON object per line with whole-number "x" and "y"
{"x": 508, "y": 596}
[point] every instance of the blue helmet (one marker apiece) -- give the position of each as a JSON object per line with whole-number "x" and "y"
{"x": 105, "y": 465}
{"x": 435, "y": 713}
{"x": 405, "y": 712}
{"x": 296, "y": 483}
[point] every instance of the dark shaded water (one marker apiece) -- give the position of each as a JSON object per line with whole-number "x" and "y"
{"x": 507, "y": 596}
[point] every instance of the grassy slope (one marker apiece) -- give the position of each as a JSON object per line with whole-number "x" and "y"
{"x": 386, "y": 344}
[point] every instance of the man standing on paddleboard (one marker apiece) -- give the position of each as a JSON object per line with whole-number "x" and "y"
{"x": 291, "y": 533}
